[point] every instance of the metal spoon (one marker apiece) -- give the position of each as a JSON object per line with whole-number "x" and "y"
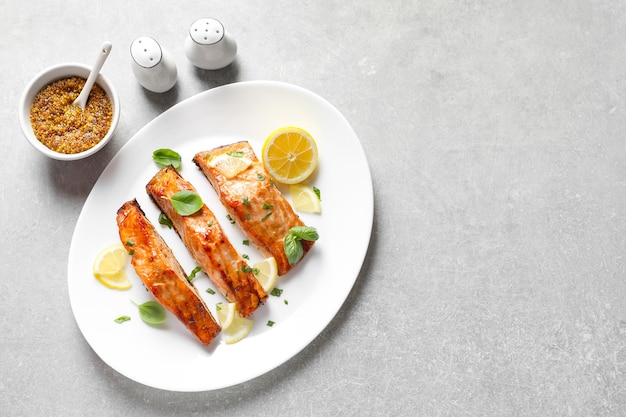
{"x": 81, "y": 100}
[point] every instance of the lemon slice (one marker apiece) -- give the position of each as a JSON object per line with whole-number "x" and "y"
{"x": 226, "y": 314}
{"x": 233, "y": 325}
{"x": 230, "y": 166}
{"x": 108, "y": 267}
{"x": 238, "y": 329}
{"x": 304, "y": 199}
{"x": 290, "y": 155}
{"x": 266, "y": 272}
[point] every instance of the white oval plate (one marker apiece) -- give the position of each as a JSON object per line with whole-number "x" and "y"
{"x": 168, "y": 356}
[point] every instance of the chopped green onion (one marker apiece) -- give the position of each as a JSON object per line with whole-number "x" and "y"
{"x": 121, "y": 319}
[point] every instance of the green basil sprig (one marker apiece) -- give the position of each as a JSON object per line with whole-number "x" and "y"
{"x": 165, "y": 157}
{"x": 292, "y": 243}
{"x": 151, "y": 312}
{"x": 186, "y": 202}
{"x": 165, "y": 221}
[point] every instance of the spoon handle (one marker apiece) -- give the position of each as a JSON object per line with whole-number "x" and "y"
{"x": 81, "y": 100}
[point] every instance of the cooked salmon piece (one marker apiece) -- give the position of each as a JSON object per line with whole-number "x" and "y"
{"x": 162, "y": 274}
{"x": 251, "y": 199}
{"x": 207, "y": 243}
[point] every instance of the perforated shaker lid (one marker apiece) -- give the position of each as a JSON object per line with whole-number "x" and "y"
{"x": 146, "y": 52}
{"x": 206, "y": 31}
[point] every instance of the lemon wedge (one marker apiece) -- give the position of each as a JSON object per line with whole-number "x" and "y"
{"x": 108, "y": 267}
{"x": 234, "y": 327}
{"x": 304, "y": 199}
{"x": 290, "y": 154}
{"x": 266, "y": 272}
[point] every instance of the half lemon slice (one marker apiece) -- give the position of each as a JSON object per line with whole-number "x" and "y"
{"x": 230, "y": 166}
{"x": 266, "y": 272}
{"x": 304, "y": 199}
{"x": 108, "y": 267}
{"x": 234, "y": 326}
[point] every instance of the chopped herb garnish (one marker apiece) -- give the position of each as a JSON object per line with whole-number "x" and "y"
{"x": 218, "y": 306}
{"x": 166, "y": 157}
{"x": 245, "y": 256}
{"x": 237, "y": 154}
{"x": 194, "y": 272}
{"x": 247, "y": 216}
{"x": 246, "y": 268}
{"x": 245, "y": 201}
{"x": 260, "y": 176}
{"x": 210, "y": 291}
{"x": 121, "y": 319}
{"x": 131, "y": 251}
{"x": 209, "y": 223}
{"x": 246, "y": 242}
{"x": 164, "y": 220}
{"x": 267, "y": 206}
{"x": 270, "y": 323}
{"x": 286, "y": 302}
{"x": 230, "y": 219}
{"x": 269, "y": 213}
{"x": 276, "y": 292}
{"x": 318, "y": 193}
{"x": 186, "y": 202}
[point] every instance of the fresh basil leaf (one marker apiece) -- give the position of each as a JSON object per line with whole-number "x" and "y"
{"x": 305, "y": 233}
{"x": 151, "y": 312}
{"x": 186, "y": 202}
{"x": 165, "y": 221}
{"x": 165, "y": 157}
{"x": 293, "y": 248}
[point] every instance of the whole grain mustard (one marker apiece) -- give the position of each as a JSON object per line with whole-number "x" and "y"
{"x": 66, "y": 128}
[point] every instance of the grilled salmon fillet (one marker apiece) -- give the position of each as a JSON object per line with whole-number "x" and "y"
{"x": 253, "y": 201}
{"x": 163, "y": 276}
{"x": 208, "y": 244}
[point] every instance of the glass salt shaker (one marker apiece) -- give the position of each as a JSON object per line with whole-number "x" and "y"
{"x": 152, "y": 65}
{"x": 208, "y": 46}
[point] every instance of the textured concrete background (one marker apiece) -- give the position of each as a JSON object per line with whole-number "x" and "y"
{"x": 494, "y": 283}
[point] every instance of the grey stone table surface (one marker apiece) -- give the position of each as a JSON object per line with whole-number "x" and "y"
{"x": 494, "y": 283}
